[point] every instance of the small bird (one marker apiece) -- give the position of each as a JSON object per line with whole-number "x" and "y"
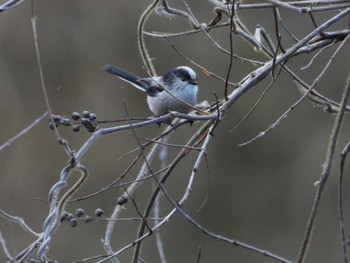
{"x": 174, "y": 91}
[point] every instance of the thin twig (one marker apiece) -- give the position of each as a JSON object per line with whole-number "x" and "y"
{"x": 132, "y": 188}
{"x": 4, "y": 246}
{"x": 316, "y": 55}
{"x": 205, "y": 70}
{"x": 20, "y": 221}
{"x": 141, "y": 41}
{"x": 57, "y": 204}
{"x": 343, "y": 238}
{"x": 280, "y": 20}
{"x": 23, "y": 132}
{"x": 292, "y": 5}
{"x": 189, "y": 17}
{"x": 297, "y": 103}
{"x": 21, "y": 257}
{"x": 150, "y": 170}
{"x": 192, "y": 142}
{"x": 10, "y": 4}
{"x": 185, "y": 32}
{"x": 44, "y": 89}
{"x": 326, "y": 167}
{"x": 254, "y": 106}
{"x": 232, "y": 28}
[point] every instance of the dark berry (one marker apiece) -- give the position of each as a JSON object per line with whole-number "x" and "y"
{"x": 75, "y": 127}
{"x": 65, "y": 121}
{"x": 92, "y": 117}
{"x": 73, "y": 222}
{"x": 123, "y": 200}
{"x": 80, "y": 212}
{"x": 64, "y": 216}
{"x": 99, "y": 212}
{"x": 86, "y": 114}
{"x": 52, "y": 126}
{"x": 91, "y": 128}
{"x": 70, "y": 216}
{"x": 87, "y": 219}
{"x": 86, "y": 122}
{"x": 56, "y": 118}
{"x": 75, "y": 116}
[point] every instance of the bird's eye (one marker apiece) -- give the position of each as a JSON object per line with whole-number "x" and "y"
{"x": 183, "y": 78}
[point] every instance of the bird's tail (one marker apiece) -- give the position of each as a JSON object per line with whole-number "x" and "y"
{"x": 126, "y": 76}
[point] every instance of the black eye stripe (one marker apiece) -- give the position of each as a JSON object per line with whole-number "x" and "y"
{"x": 182, "y": 74}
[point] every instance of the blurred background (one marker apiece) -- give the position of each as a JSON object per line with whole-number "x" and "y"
{"x": 260, "y": 194}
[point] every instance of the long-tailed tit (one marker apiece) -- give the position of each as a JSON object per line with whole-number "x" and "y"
{"x": 171, "y": 92}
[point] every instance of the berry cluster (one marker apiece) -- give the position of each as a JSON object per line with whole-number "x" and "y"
{"x": 87, "y": 120}
{"x": 79, "y": 216}
{"x": 32, "y": 260}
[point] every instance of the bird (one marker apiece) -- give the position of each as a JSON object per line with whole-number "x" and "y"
{"x": 176, "y": 90}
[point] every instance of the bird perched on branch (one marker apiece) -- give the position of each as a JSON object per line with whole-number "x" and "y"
{"x": 175, "y": 91}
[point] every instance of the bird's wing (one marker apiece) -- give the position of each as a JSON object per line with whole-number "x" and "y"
{"x": 153, "y": 87}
